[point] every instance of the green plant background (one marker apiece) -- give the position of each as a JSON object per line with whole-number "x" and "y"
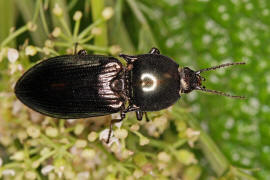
{"x": 234, "y": 134}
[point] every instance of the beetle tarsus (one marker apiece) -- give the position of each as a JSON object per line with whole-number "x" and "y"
{"x": 139, "y": 115}
{"x": 146, "y": 117}
{"x": 154, "y": 51}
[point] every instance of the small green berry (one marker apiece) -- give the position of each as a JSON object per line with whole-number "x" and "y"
{"x": 186, "y": 157}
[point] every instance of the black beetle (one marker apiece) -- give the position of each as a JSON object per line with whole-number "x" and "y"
{"x": 81, "y": 85}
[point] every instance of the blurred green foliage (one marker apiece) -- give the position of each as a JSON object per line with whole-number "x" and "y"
{"x": 205, "y": 33}
{"x": 195, "y": 33}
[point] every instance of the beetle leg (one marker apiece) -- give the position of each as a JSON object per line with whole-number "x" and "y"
{"x": 128, "y": 59}
{"x": 139, "y": 115}
{"x": 123, "y": 115}
{"x": 81, "y": 52}
{"x": 131, "y": 108}
{"x": 154, "y": 51}
{"x": 146, "y": 117}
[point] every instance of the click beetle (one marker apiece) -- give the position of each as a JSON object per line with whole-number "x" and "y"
{"x": 82, "y": 85}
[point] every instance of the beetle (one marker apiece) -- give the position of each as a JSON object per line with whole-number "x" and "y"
{"x": 82, "y": 85}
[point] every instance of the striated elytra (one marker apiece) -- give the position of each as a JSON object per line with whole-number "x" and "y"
{"x": 81, "y": 85}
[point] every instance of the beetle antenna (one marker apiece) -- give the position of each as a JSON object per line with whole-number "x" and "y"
{"x": 219, "y": 93}
{"x": 219, "y": 66}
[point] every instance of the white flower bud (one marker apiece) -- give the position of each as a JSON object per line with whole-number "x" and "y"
{"x": 92, "y": 136}
{"x": 44, "y": 151}
{"x": 56, "y": 32}
{"x": 103, "y": 135}
{"x": 31, "y": 26}
{"x": 163, "y": 156}
{"x": 137, "y": 174}
{"x": 12, "y": 55}
{"x": 49, "y": 43}
{"x": 51, "y": 132}
{"x": 57, "y": 10}
{"x": 69, "y": 174}
{"x": 33, "y": 131}
{"x": 8, "y": 172}
{"x": 121, "y": 133}
{"x": 31, "y": 50}
{"x": 35, "y": 164}
{"x": 78, "y": 129}
{"x": 88, "y": 154}
{"x": 83, "y": 175}
{"x": 30, "y": 175}
{"x": 135, "y": 127}
{"x": 77, "y": 16}
{"x": 46, "y": 169}
{"x": 115, "y": 49}
{"x": 18, "y": 156}
{"x": 144, "y": 141}
{"x": 107, "y": 13}
{"x": 80, "y": 143}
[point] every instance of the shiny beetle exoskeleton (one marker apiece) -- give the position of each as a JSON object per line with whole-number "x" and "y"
{"x": 81, "y": 85}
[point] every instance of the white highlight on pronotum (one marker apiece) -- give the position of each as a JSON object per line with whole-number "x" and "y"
{"x": 152, "y": 78}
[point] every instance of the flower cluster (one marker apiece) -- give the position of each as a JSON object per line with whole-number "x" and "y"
{"x": 36, "y": 146}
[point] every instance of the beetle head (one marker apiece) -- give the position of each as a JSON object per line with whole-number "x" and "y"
{"x": 192, "y": 80}
{"x": 189, "y": 80}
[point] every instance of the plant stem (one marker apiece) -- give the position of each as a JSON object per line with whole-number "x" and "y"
{"x": 62, "y": 21}
{"x": 96, "y": 48}
{"x": 97, "y": 8}
{"x": 218, "y": 161}
{"x": 117, "y": 26}
{"x": 14, "y": 35}
{"x": 87, "y": 30}
{"x": 43, "y": 19}
{"x": 6, "y": 18}
{"x": 27, "y": 9}
{"x": 72, "y": 4}
{"x": 76, "y": 29}
{"x": 145, "y": 30}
